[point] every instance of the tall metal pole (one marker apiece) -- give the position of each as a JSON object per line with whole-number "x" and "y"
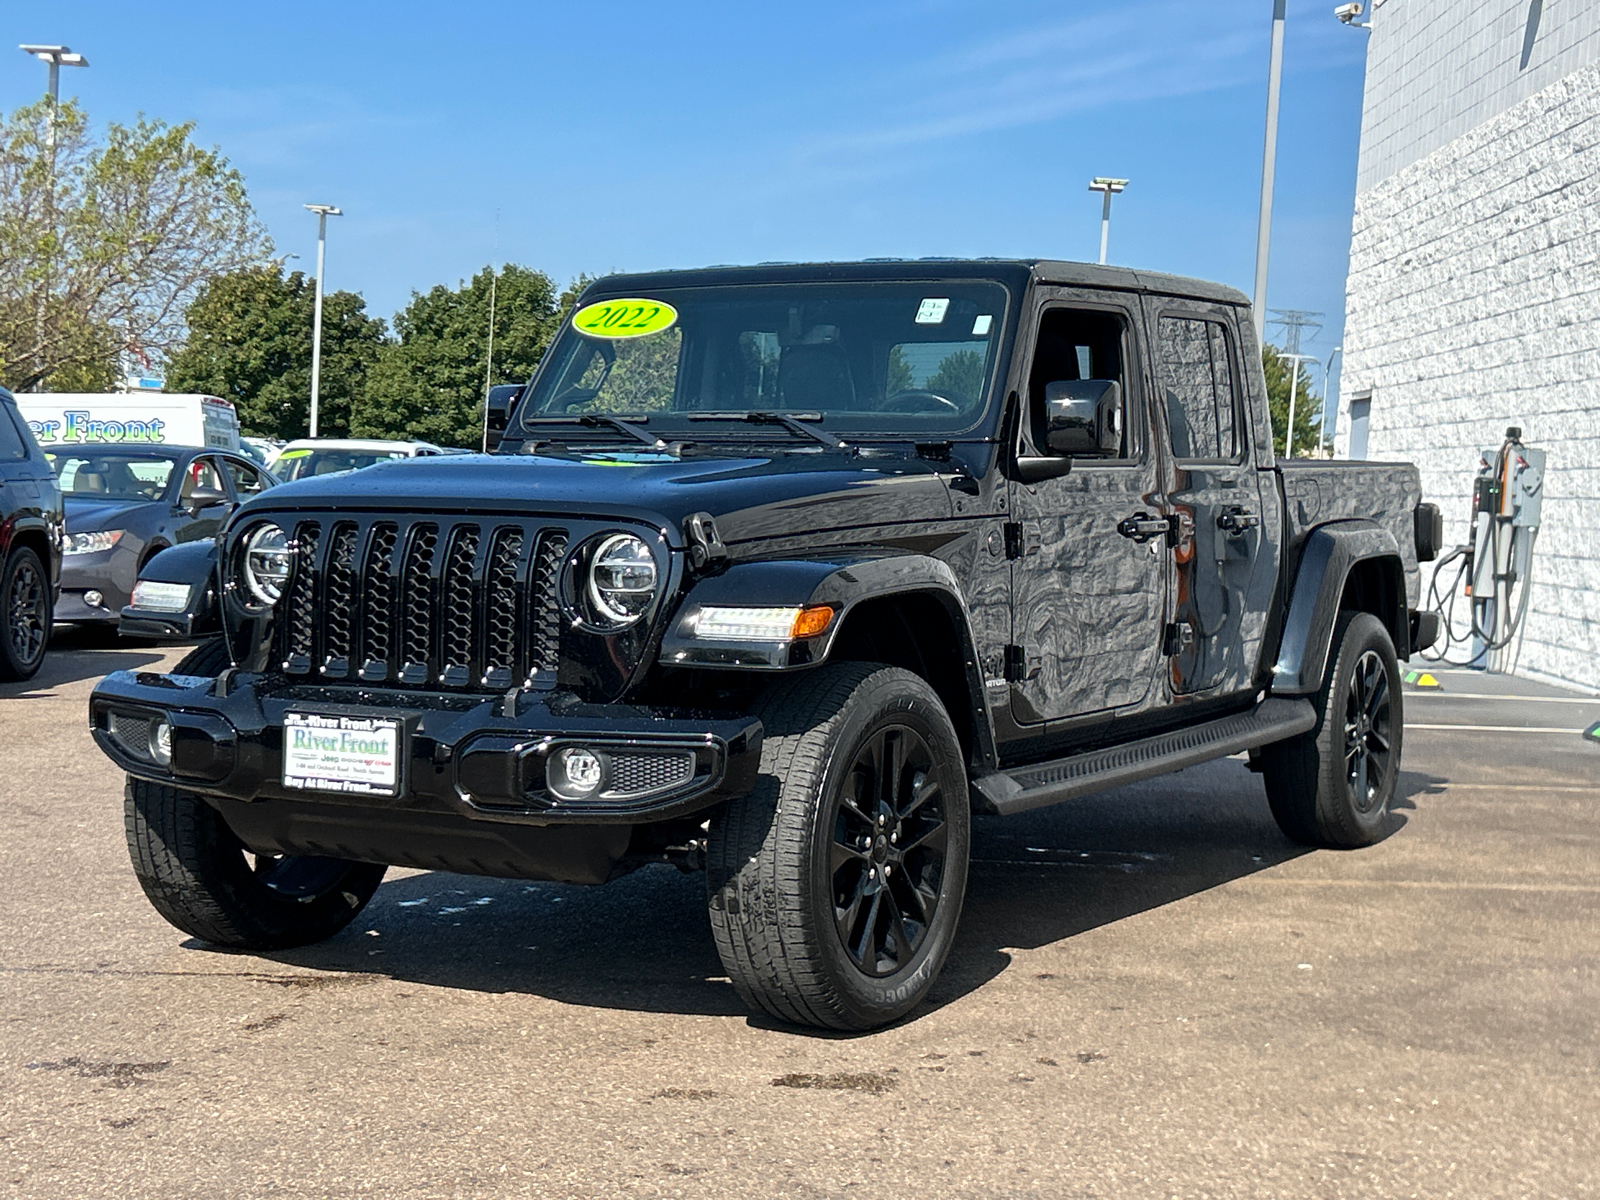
{"x": 1327, "y": 374}
{"x": 53, "y": 57}
{"x": 1105, "y": 227}
{"x": 1107, "y": 187}
{"x": 488, "y": 360}
{"x": 316, "y": 322}
{"x": 1268, "y": 167}
{"x": 323, "y": 211}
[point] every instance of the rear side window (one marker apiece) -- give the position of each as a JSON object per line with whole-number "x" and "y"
{"x": 13, "y": 438}
{"x": 1197, "y": 380}
{"x": 247, "y": 480}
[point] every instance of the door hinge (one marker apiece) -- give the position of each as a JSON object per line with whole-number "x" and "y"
{"x": 1020, "y": 541}
{"x": 1020, "y": 667}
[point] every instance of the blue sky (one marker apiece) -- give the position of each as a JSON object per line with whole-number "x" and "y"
{"x": 628, "y": 135}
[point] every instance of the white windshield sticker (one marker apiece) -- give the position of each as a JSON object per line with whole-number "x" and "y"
{"x": 931, "y": 312}
{"x": 980, "y": 327}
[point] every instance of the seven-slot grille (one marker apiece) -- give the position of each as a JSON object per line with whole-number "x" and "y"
{"x": 423, "y": 603}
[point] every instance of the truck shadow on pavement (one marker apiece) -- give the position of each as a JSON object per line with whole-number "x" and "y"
{"x": 643, "y": 943}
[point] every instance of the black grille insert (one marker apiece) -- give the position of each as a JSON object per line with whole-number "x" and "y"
{"x": 468, "y": 604}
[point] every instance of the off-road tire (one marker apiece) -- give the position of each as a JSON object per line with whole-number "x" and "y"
{"x": 26, "y": 615}
{"x": 772, "y": 870}
{"x": 195, "y": 871}
{"x": 1308, "y": 779}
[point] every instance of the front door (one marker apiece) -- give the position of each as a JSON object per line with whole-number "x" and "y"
{"x": 1088, "y": 601}
{"x": 1227, "y": 527}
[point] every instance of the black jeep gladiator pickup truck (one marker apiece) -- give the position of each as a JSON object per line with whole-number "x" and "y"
{"x": 782, "y": 573}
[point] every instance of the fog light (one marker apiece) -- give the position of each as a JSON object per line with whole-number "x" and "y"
{"x": 93, "y": 598}
{"x": 161, "y": 742}
{"x": 574, "y": 773}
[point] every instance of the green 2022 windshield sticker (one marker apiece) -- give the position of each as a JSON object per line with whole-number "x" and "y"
{"x": 624, "y": 318}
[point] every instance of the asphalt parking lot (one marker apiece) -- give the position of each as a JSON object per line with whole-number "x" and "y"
{"x": 1154, "y": 994}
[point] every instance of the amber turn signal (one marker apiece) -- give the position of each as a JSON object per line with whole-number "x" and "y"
{"x": 809, "y": 622}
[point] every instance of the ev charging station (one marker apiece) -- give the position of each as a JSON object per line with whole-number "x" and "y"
{"x": 1495, "y": 566}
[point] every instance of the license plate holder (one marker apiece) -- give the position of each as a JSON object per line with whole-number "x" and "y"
{"x": 343, "y": 753}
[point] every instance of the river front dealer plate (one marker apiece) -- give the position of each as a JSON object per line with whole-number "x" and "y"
{"x": 354, "y": 755}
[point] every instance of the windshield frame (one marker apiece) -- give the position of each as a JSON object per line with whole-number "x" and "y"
{"x": 532, "y": 426}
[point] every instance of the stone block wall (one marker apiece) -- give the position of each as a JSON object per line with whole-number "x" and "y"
{"x": 1473, "y": 304}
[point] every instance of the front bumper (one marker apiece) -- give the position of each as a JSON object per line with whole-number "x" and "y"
{"x": 100, "y": 572}
{"x": 462, "y": 758}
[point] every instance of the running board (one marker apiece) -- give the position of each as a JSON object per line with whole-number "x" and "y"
{"x": 1042, "y": 784}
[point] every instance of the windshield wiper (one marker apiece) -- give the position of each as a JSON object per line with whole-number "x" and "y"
{"x": 794, "y": 423}
{"x": 633, "y": 428}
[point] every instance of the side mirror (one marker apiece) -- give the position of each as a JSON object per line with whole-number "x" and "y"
{"x": 501, "y": 406}
{"x": 1083, "y": 418}
{"x": 203, "y": 498}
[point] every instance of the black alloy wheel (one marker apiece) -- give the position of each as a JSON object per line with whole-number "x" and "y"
{"x": 1333, "y": 786}
{"x": 1367, "y": 733}
{"x": 25, "y": 606}
{"x": 834, "y": 888}
{"x": 889, "y": 843}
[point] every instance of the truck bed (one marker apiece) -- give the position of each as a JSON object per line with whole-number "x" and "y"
{"x": 1317, "y": 491}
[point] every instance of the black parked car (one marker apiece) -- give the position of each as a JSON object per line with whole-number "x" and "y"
{"x": 125, "y": 504}
{"x": 30, "y": 545}
{"x": 783, "y": 573}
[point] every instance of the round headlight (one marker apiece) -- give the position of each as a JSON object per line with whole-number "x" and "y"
{"x": 622, "y": 580}
{"x": 266, "y": 563}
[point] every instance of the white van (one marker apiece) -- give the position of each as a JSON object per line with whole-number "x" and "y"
{"x": 136, "y": 418}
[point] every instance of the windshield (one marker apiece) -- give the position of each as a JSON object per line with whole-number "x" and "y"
{"x": 110, "y": 475}
{"x": 302, "y": 464}
{"x": 885, "y": 359}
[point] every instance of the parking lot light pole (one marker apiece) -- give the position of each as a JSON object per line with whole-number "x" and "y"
{"x": 1110, "y": 187}
{"x": 1269, "y": 163}
{"x": 323, "y": 211}
{"x": 57, "y": 57}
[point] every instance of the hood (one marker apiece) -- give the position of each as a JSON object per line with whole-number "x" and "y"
{"x": 89, "y": 516}
{"x": 750, "y": 496}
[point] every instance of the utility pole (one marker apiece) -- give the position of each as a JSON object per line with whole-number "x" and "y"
{"x": 1268, "y": 167}
{"x": 1109, "y": 187}
{"x": 57, "y": 57}
{"x": 323, "y": 211}
{"x": 488, "y": 358}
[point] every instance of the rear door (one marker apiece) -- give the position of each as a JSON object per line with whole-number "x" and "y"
{"x": 1225, "y": 553}
{"x": 1087, "y": 602}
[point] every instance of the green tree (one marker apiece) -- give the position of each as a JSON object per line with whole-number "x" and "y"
{"x": 105, "y": 242}
{"x": 250, "y": 342}
{"x": 1307, "y": 408}
{"x": 430, "y": 384}
{"x": 960, "y": 376}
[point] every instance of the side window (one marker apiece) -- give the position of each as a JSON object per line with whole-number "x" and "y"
{"x": 247, "y": 480}
{"x": 1079, "y": 344}
{"x": 1197, "y": 380}
{"x": 13, "y": 446}
{"x": 202, "y": 473}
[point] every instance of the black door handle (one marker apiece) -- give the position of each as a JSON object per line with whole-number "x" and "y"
{"x": 1236, "y": 520}
{"x": 1142, "y": 527}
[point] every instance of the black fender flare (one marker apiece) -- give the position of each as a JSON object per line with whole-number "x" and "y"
{"x": 843, "y": 582}
{"x": 1330, "y": 553}
{"x": 195, "y": 565}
